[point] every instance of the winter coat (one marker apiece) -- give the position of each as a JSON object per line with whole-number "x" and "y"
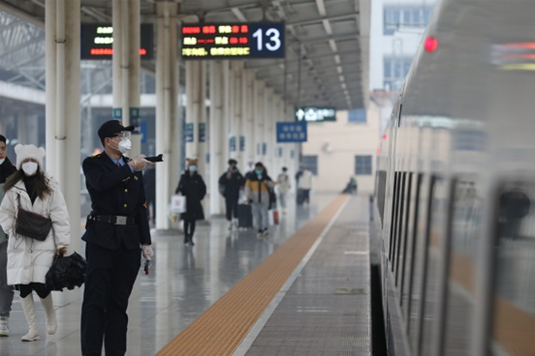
{"x": 232, "y": 185}
{"x": 283, "y": 183}
{"x": 257, "y": 189}
{"x": 194, "y": 189}
{"x": 6, "y": 169}
{"x": 29, "y": 260}
{"x": 305, "y": 181}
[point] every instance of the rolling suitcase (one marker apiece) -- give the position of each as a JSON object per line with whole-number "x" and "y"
{"x": 245, "y": 216}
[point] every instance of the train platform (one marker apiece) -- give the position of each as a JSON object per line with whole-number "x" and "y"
{"x": 303, "y": 290}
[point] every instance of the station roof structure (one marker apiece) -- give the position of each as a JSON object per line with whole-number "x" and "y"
{"x": 327, "y": 43}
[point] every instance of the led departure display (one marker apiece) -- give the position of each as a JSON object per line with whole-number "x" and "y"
{"x": 224, "y": 41}
{"x": 97, "y": 41}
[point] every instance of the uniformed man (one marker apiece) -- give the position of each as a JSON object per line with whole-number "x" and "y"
{"x": 117, "y": 231}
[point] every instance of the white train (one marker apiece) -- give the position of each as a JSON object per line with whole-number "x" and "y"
{"x": 456, "y": 184}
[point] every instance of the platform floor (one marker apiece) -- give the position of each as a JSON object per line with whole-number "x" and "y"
{"x": 184, "y": 282}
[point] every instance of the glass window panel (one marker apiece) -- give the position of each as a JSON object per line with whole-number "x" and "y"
{"x": 465, "y": 223}
{"x": 434, "y": 242}
{"x": 363, "y": 165}
{"x": 514, "y": 294}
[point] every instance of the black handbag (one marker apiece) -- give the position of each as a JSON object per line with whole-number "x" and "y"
{"x": 32, "y": 225}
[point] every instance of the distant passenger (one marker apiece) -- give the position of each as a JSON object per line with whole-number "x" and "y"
{"x": 515, "y": 205}
{"x": 305, "y": 184}
{"x": 257, "y": 188}
{"x": 6, "y": 291}
{"x": 191, "y": 185}
{"x": 32, "y": 189}
{"x": 283, "y": 185}
{"x": 149, "y": 179}
{"x": 231, "y": 183}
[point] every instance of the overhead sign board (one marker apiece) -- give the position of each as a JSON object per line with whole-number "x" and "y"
{"x": 292, "y": 132}
{"x": 233, "y": 40}
{"x": 97, "y": 41}
{"x": 315, "y": 114}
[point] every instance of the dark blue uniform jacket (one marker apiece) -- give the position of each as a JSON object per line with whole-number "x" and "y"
{"x": 115, "y": 191}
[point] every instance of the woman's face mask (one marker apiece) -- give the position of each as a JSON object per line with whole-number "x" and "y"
{"x": 30, "y": 168}
{"x": 192, "y": 168}
{"x": 259, "y": 172}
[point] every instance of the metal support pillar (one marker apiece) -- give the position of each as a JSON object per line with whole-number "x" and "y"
{"x": 167, "y": 121}
{"x": 250, "y": 143}
{"x": 62, "y": 38}
{"x": 267, "y": 118}
{"x": 217, "y": 139}
{"x": 242, "y": 148}
{"x": 227, "y": 107}
{"x": 126, "y": 66}
{"x": 259, "y": 120}
{"x": 196, "y": 113}
{"x": 236, "y": 97}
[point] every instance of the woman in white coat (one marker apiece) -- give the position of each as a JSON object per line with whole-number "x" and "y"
{"x": 29, "y": 260}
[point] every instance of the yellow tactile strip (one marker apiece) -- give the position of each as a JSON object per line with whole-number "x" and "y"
{"x": 221, "y": 328}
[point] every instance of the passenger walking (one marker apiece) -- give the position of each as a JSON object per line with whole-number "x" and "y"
{"x": 305, "y": 184}
{"x": 117, "y": 231}
{"x": 33, "y": 190}
{"x": 191, "y": 185}
{"x": 149, "y": 178}
{"x": 257, "y": 188}
{"x": 232, "y": 183}
{"x": 283, "y": 185}
{"x": 6, "y": 291}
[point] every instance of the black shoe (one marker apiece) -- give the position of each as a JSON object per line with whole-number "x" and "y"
{"x": 191, "y": 243}
{"x": 186, "y": 239}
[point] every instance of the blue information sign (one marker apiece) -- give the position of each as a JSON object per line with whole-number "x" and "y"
{"x": 264, "y": 149}
{"x": 242, "y": 143}
{"x": 233, "y": 144}
{"x": 292, "y": 131}
{"x": 189, "y": 132}
{"x": 143, "y": 131}
{"x": 117, "y": 113}
{"x": 202, "y": 132}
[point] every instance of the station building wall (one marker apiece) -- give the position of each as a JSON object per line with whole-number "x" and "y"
{"x": 335, "y": 147}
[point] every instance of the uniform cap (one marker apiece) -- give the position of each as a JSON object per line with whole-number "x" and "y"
{"x": 111, "y": 128}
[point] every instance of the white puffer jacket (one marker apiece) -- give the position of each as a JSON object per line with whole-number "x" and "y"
{"x": 29, "y": 260}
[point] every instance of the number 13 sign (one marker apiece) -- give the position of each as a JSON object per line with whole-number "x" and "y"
{"x": 234, "y": 40}
{"x": 267, "y": 40}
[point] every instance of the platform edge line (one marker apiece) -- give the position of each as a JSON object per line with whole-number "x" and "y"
{"x": 257, "y": 328}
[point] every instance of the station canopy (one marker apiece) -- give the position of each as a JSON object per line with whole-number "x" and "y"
{"x": 326, "y": 43}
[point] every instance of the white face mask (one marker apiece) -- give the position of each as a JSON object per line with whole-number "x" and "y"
{"x": 2, "y": 160}
{"x": 124, "y": 145}
{"x": 30, "y": 168}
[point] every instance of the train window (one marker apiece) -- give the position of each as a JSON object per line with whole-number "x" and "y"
{"x": 465, "y": 224}
{"x": 394, "y": 215}
{"x": 380, "y": 194}
{"x": 402, "y": 231}
{"x": 397, "y": 222}
{"x": 514, "y": 291}
{"x": 418, "y": 272}
{"x": 433, "y": 243}
{"x": 410, "y": 247}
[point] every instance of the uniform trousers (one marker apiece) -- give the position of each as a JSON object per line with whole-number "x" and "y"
{"x": 109, "y": 281}
{"x": 6, "y": 291}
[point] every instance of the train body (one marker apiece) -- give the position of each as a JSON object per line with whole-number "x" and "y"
{"x": 455, "y": 187}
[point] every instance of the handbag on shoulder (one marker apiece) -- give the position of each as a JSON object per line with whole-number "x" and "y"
{"x": 32, "y": 225}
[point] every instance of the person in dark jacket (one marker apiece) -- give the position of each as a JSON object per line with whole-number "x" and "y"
{"x": 6, "y": 291}
{"x": 150, "y": 190}
{"x": 191, "y": 185}
{"x": 231, "y": 183}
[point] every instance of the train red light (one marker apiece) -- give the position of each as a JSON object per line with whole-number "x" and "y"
{"x": 431, "y": 44}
